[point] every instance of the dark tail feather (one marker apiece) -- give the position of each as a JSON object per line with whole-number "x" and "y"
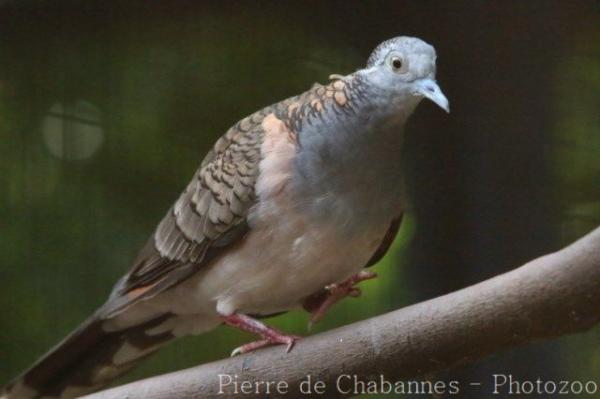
{"x": 87, "y": 360}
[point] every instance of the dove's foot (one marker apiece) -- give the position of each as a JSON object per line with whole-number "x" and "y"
{"x": 270, "y": 336}
{"x": 320, "y": 304}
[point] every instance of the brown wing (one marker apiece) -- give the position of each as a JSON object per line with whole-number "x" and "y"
{"x": 210, "y": 214}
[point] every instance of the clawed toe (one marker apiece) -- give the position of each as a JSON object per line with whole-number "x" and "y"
{"x": 338, "y": 292}
{"x": 269, "y": 336}
{"x": 288, "y": 340}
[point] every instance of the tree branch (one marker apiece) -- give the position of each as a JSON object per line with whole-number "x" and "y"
{"x": 553, "y": 295}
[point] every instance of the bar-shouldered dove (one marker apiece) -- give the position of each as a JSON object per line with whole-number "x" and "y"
{"x": 286, "y": 210}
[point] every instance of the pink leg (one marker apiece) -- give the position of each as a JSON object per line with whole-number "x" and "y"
{"x": 336, "y": 292}
{"x": 269, "y": 335}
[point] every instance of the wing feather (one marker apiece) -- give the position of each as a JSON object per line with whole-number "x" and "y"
{"x": 209, "y": 215}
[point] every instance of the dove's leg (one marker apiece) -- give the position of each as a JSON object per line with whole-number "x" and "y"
{"x": 318, "y": 307}
{"x": 269, "y": 335}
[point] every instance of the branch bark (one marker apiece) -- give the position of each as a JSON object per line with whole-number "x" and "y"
{"x": 553, "y": 295}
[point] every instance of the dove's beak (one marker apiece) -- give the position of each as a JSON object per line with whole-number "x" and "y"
{"x": 428, "y": 88}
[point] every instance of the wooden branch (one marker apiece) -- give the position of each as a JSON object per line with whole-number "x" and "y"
{"x": 551, "y": 296}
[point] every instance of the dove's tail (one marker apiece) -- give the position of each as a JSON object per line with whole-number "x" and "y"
{"x": 87, "y": 360}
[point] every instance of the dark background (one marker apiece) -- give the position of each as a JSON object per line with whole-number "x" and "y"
{"x": 106, "y": 109}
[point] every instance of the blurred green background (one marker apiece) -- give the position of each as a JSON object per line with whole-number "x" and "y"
{"x": 107, "y": 108}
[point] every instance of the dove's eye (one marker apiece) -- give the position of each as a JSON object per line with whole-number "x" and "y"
{"x": 397, "y": 63}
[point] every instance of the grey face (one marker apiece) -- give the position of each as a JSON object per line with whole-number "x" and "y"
{"x": 404, "y": 67}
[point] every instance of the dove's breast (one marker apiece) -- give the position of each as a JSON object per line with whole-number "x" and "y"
{"x": 290, "y": 251}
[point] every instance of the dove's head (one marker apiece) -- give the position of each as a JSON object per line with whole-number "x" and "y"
{"x": 404, "y": 69}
